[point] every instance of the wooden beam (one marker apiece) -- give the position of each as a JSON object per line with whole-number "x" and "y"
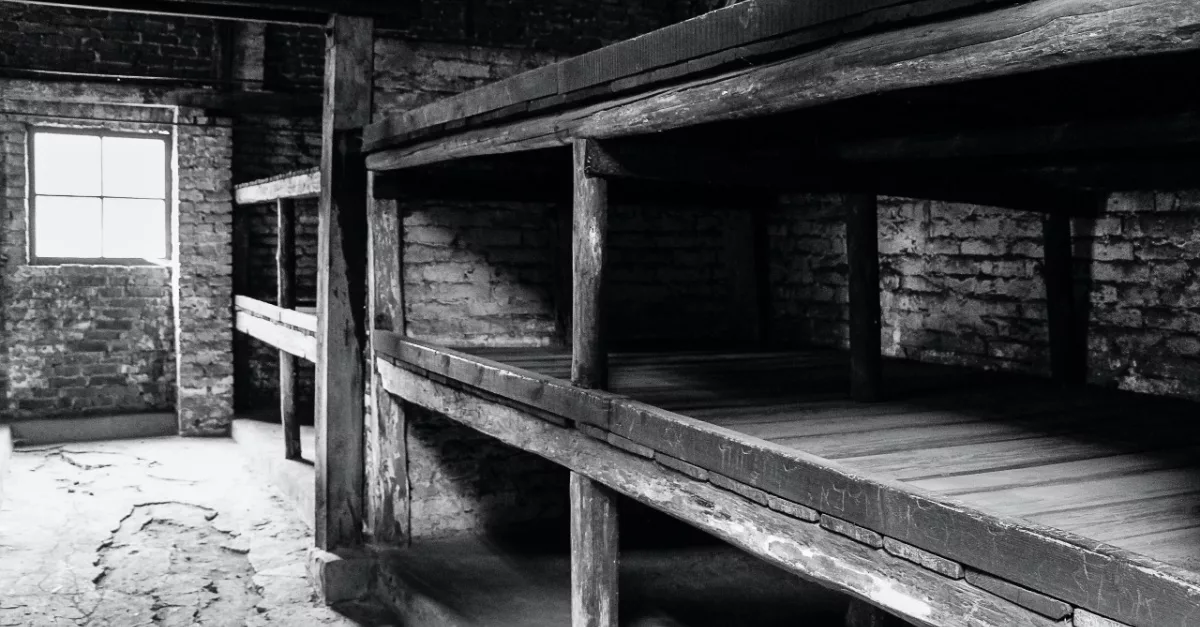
{"x": 801, "y": 548}
{"x": 243, "y": 380}
{"x": 594, "y": 554}
{"x": 285, "y": 274}
{"x": 390, "y": 512}
{"x": 1068, "y": 334}
{"x": 305, "y": 321}
{"x": 342, "y": 285}
{"x": 862, "y": 254}
{"x": 302, "y": 12}
{"x": 306, "y": 184}
{"x": 282, "y": 337}
{"x": 589, "y": 362}
{"x": 1018, "y": 39}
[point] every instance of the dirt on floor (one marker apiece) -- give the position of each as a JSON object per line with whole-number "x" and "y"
{"x": 164, "y": 532}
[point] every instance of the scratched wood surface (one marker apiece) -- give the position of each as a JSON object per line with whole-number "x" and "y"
{"x": 1110, "y": 466}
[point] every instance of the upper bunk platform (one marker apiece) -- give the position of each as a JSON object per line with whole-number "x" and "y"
{"x": 1081, "y": 497}
{"x": 760, "y": 60}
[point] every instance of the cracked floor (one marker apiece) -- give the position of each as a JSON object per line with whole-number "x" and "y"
{"x": 167, "y": 532}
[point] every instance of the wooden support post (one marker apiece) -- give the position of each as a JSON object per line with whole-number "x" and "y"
{"x": 589, "y": 363}
{"x": 242, "y": 381}
{"x": 594, "y": 554}
{"x": 285, "y": 274}
{"x": 341, "y": 283}
{"x": 594, "y": 551}
{"x": 862, "y": 252}
{"x": 389, "y": 518}
{"x": 1068, "y": 338}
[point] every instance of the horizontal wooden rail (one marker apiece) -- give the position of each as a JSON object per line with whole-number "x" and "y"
{"x": 290, "y": 331}
{"x": 1097, "y": 577}
{"x": 306, "y": 184}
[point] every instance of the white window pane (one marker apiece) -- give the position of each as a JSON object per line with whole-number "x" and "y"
{"x": 67, "y": 227}
{"x": 66, "y": 165}
{"x": 135, "y": 229}
{"x": 135, "y": 167}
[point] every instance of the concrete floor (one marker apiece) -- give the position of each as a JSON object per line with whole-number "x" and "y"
{"x": 152, "y": 532}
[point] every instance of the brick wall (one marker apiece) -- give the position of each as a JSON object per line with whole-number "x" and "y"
{"x": 101, "y": 339}
{"x": 962, "y": 284}
{"x": 78, "y": 40}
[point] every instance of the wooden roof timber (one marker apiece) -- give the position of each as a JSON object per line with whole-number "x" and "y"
{"x": 303, "y": 184}
{"x": 1031, "y": 37}
{"x": 304, "y": 12}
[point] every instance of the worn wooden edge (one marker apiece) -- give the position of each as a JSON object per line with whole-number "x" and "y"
{"x": 1026, "y": 598}
{"x": 267, "y": 311}
{"x": 1086, "y": 573}
{"x": 546, "y": 393}
{"x": 739, "y": 33}
{"x": 285, "y": 338}
{"x": 803, "y": 548}
{"x": 305, "y": 184}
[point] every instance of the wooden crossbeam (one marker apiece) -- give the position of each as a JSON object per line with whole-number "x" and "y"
{"x": 305, "y": 184}
{"x": 304, "y": 12}
{"x": 282, "y": 337}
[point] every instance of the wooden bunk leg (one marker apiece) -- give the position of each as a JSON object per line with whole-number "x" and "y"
{"x": 862, "y": 251}
{"x": 342, "y": 285}
{"x": 285, "y": 297}
{"x": 389, "y": 522}
{"x": 594, "y": 554}
{"x": 589, "y": 363}
{"x": 1068, "y": 343}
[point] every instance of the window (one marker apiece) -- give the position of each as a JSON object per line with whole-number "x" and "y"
{"x": 98, "y": 197}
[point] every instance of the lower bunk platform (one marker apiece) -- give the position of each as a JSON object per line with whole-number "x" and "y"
{"x": 1028, "y": 503}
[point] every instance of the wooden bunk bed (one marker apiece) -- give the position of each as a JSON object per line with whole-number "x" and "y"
{"x": 290, "y": 328}
{"x": 943, "y": 496}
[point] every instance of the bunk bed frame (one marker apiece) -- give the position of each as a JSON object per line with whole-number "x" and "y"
{"x": 695, "y": 104}
{"x": 660, "y": 107}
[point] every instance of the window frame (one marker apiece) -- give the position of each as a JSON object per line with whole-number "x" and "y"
{"x": 32, "y": 195}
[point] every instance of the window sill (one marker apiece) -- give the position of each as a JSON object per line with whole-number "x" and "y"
{"x": 118, "y": 263}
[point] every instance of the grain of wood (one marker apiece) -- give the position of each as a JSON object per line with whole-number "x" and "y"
{"x": 594, "y": 553}
{"x": 853, "y": 531}
{"x": 589, "y": 365}
{"x": 936, "y": 563}
{"x": 1026, "y": 598}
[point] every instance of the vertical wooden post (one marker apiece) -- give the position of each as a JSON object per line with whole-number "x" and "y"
{"x": 594, "y": 555}
{"x": 341, "y": 283}
{"x": 594, "y": 550}
{"x": 1068, "y": 339}
{"x": 285, "y": 297}
{"x": 589, "y": 363}
{"x": 862, "y": 252}
{"x": 242, "y": 381}
{"x": 390, "y": 513}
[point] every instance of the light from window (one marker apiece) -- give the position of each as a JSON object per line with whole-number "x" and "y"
{"x": 99, "y": 197}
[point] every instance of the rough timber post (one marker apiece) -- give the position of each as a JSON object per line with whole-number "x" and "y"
{"x": 341, "y": 283}
{"x": 1068, "y": 347}
{"x": 862, "y": 252}
{"x": 594, "y": 552}
{"x": 285, "y": 297}
{"x": 389, "y": 510}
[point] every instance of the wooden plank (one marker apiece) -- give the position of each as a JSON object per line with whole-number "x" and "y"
{"x": 1068, "y": 337}
{"x": 862, "y": 253}
{"x": 805, "y": 549}
{"x": 306, "y": 184}
{"x": 924, "y": 520}
{"x": 1019, "y": 39}
{"x": 342, "y": 284}
{"x": 285, "y": 273}
{"x": 1113, "y": 522}
{"x": 284, "y": 338}
{"x": 1043, "y": 499}
{"x": 594, "y": 554}
{"x": 554, "y": 396}
{"x": 304, "y": 321}
{"x": 390, "y": 510}
{"x": 1055, "y": 471}
{"x": 589, "y": 357}
{"x": 948, "y": 461}
{"x": 1030, "y": 599}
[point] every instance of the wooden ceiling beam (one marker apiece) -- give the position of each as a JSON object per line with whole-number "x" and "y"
{"x": 300, "y": 12}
